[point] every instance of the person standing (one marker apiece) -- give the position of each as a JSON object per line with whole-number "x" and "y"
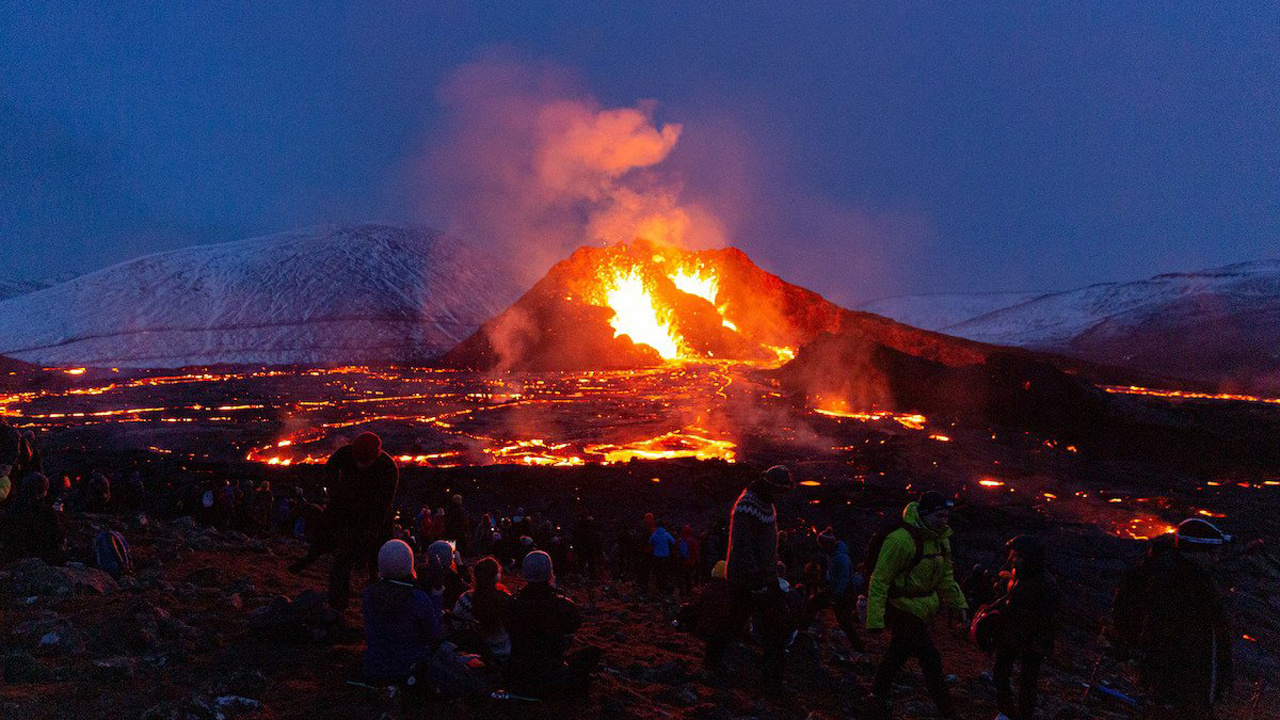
{"x": 1170, "y": 613}
{"x": 1027, "y": 627}
{"x": 359, "y": 516}
{"x": 841, "y": 590}
{"x": 662, "y": 546}
{"x": 912, "y": 578}
{"x": 752, "y": 574}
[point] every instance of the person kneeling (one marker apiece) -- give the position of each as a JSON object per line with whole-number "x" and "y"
{"x": 542, "y": 625}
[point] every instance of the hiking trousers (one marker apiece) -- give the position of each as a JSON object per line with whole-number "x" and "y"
{"x": 909, "y": 637}
{"x": 1029, "y": 662}
{"x": 767, "y": 613}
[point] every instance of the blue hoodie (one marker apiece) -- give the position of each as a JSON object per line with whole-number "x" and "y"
{"x": 840, "y": 570}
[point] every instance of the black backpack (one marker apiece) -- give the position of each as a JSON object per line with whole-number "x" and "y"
{"x": 876, "y": 543}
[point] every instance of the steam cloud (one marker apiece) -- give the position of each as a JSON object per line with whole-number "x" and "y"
{"x": 531, "y": 166}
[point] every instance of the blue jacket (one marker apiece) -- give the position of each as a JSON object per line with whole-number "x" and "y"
{"x": 840, "y": 570}
{"x": 662, "y": 542}
{"x": 401, "y": 628}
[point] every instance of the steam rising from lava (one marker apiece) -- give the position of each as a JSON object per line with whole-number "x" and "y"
{"x": 528, "y": 162}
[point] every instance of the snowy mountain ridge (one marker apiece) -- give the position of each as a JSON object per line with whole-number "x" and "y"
{"x": 365, "y": 293}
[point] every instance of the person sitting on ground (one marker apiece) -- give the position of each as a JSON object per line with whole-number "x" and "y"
{"x": 542, "y": 625}
{"x": 485, "y": 609}
{"x": 401, "y": 620}
{"x": 443, "y": 573}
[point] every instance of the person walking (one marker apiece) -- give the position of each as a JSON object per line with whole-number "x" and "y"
{"x": 912, "y": 578}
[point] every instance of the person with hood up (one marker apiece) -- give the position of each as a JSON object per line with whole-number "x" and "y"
{"x": 912, "y": 578}
{"x": 401, "y": 620}
{"x": 841, "y": 590}
{"x": 1027, "y": 627}
{"x": 1169, "y": 613}
{"x": 752, "y": 573}
{"x": 542, "y": 625}
{"x": 689, "y": 553}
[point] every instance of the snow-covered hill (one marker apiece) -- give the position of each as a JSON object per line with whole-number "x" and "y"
{"x": 326, "y": 295}
{"x": 1220, "y": 325}
{"x": 934, "y": 312}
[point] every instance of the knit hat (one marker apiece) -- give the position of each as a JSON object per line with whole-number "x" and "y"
{"x": 934, "y": 501}
{"x": 440, "y": 553}
{"x": 721, "y": 570}
{"x": 366, "y": 447}
{"x": 1196, "y": 534}
{"x": 827, "y": 539}
{"x": 778, "y": 478}
{"x": 537, "y": 567}
{"x": 395, "y": 561}
{"x": 457, "y": 500}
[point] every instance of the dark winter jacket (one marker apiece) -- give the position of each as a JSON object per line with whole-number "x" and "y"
{"x": 1170, "y": 612}
{"x": 401, "y": 628}
{"x": 753, "y": 542}
{"x": 542, "y": 625}
{"x": 360, "y": 498}
{"x": 1030, "y": 610}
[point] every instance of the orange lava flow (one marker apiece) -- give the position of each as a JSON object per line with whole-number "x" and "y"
{"x": 1186, "y": 394}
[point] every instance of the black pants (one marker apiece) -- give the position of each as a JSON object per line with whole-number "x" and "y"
{"x": 357, "y": 549}
{"x": 845, "y": 608}
{"x": 910, "y": 638}
{"x": 1029, "y": 662}
{"x": 768, "y": 613}
{"x": 568, "y": 679}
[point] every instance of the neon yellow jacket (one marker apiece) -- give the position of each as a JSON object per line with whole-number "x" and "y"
{"x": 918, "y": 591}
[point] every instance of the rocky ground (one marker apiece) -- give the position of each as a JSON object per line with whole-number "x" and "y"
{"x": 184, "y": 638}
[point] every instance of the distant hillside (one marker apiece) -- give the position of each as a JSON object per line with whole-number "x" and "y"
{"x": 1220, "y": 325}
{"x": 365, "y": 293}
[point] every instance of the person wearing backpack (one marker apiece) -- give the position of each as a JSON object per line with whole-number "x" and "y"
{"x": 689, "y": 551}
{"x": 910, "y": 579}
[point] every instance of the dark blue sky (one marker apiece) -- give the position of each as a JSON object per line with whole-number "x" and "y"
{"x": 875, "y": 148}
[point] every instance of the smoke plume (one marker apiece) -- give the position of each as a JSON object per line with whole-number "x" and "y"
{"x": 531, "y": 166}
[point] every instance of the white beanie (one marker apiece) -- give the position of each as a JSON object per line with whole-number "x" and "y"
{"x": 395, "y": 561}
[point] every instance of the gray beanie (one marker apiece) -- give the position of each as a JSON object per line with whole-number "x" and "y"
{"x": 537, "y": 567}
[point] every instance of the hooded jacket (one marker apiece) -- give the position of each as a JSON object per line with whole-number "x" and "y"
{"x": 840, "y": 570}
{"x": 922, "y": 590}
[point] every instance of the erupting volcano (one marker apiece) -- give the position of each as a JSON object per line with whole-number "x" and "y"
{"x": 642, "y": 304}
